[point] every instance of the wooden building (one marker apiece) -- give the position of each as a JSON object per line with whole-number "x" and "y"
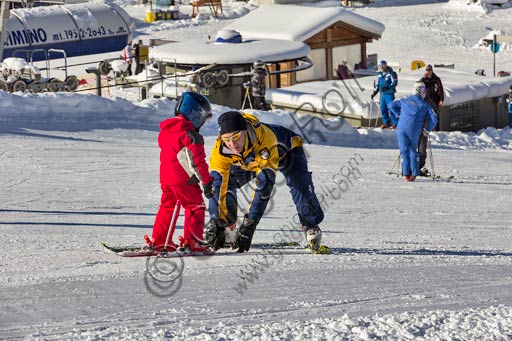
{"x": 336, "y": 36}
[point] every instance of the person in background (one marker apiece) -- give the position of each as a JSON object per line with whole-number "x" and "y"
{"x": 182, "y": 169}
{"x": 414, "y": 116}
{"x": 434, "y": 96}
{"x": 137, "y": 54}
{"x": 386, "y": 85}
{"x": 246, "y": 149}
{"x": 128, "y": 56}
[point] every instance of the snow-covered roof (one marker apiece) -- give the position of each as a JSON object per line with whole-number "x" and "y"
{"x": 459, "y": 87}
{"x": 297, "y": 22}
{"x": 247, "y": 52}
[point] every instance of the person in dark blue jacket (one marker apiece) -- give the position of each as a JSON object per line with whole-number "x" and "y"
{"x": 414, "y": 115}
{"x": 386, "y": 85}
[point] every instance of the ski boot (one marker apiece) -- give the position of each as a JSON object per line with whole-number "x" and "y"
{"x": 150, "y": 245}
{"x": 313, "y": 237}
{"x": 191, "y": 246}
{"x": 220, "y": 235}
{"x": 425, "y": 172}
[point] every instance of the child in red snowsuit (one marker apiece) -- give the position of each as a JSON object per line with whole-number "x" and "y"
{"x": 182, "y": 169}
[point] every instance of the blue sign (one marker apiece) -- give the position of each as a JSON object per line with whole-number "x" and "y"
{"x": 495, "y": 47}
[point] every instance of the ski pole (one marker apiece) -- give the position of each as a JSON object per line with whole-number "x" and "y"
{"x": 371, "y": 113}
{"x": 394, "y": 164}
{"x": 174, "y": 220}
{"x": 377, "y": 118}
{"x": 398, "y": 167}
{"x": 429, "y": 145}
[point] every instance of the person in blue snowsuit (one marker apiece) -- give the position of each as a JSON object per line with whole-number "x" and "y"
{"x": 414, "y": 114}
{"x": 386, "y": 85}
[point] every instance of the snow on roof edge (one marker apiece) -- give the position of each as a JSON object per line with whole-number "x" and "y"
{"x": 247, "y": 52}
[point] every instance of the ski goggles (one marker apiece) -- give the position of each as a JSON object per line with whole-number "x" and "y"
{"x": 233, "y": 138}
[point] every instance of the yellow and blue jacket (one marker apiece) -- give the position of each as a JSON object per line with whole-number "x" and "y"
{"x": 265, "y": 146}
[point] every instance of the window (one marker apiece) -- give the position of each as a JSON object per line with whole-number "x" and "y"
{"x": 317, "y": 71}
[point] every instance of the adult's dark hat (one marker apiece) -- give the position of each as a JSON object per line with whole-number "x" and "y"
{"x": 231, "y": 121}
{"x": 429, "y": 67}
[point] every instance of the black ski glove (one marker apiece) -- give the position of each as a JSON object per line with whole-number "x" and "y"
{"x": 208, "y": 190}
{"x": 245, "y": 233}
{"x": 374, "y": 94}
{"x": 214, "y": 234}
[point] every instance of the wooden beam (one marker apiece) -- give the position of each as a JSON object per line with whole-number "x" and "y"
{"x": 357, "y": 30}
{"x": 338, "y": 43}
{"x": 363, "y": 53}
{"x": 328, "y": 61}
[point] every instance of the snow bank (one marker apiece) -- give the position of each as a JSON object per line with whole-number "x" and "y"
{"x": 83, "y": 109}
{"x": 87, "y": 112}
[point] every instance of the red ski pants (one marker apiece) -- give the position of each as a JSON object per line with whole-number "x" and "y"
{"x": 192, "y": 202}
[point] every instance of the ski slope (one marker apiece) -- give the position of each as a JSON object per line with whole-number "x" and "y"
{"x": 409, "y": 260}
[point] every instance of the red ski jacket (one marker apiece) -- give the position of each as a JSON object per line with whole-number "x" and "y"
{"x": 182, "y": 155}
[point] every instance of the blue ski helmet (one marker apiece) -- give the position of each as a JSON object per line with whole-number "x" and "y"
{"x": 383, "y": 63}
{"x": 195, "y": 107}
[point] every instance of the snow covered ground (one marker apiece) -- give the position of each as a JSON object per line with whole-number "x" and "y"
{"x": 410, "y": 260}
{"x": 423, "y": 260}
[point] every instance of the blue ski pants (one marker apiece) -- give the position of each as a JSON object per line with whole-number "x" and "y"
{"x": 409, "y": 152}
{"x": 384, "y": 101}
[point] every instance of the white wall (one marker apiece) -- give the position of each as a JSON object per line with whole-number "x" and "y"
{"x": 351, "y": 54}
{"x": 318, "y": 71}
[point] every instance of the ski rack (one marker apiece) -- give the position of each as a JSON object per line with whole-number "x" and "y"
{"x": 33, "y": 82}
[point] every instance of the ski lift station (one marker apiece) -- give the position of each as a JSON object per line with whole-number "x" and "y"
{"x": 289, "y": 51}
{"x": 77, "y": 30}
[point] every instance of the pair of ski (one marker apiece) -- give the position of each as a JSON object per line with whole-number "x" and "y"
{"x": 138, "y": 251}
{"x": 431, "y": 177}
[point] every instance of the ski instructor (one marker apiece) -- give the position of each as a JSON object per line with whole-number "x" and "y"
{"x": 386, "y": 85}
{"x": 245, "y": 149}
